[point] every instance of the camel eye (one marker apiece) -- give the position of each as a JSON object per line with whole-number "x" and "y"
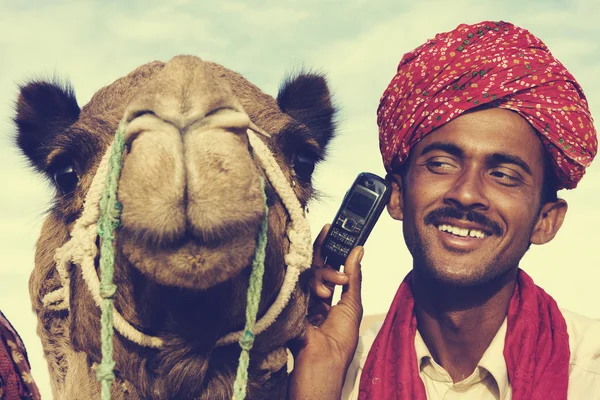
{"x": 304, "y": 165}
{"x": 66, "y": 178}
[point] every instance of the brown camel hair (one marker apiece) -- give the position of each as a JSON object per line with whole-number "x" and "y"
{"x": 192, "y": 207}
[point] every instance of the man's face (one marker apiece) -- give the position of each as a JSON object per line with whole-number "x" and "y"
{"x": 471, "y": 197}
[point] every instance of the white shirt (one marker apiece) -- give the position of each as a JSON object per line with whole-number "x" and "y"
{"x": 489, "y": 381}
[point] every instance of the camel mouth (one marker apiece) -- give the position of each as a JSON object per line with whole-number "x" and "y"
{"x": 190, "y": 263}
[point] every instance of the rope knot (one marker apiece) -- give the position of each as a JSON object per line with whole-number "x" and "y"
{"x": 295, "y": 260}
{"x": 104, "y": 371}
{"x": 107, "y": 290}
{"x": 300, "y": 252}
{"x": 247, "y": 340}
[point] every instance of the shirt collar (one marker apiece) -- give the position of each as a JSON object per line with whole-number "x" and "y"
{"x": 491, "y": 362}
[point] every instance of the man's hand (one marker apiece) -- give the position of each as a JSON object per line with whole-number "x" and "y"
{"x": 322, "y": 358}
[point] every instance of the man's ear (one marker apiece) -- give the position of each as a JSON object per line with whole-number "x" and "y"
{"x": 394, "y": 205}
{"x": 549, "y": 221}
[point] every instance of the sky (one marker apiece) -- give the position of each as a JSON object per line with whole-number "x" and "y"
{"x": 356, "y": 43}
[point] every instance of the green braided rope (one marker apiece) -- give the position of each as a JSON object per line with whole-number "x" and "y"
{"x": 254, "y": 291}
{"x": 110, "y": 212}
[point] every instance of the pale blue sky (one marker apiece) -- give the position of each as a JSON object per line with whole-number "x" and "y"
{"x": 358, "y": 44}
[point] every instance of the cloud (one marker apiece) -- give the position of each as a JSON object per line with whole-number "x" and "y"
{"x": 163, "y": 23}
{"x": 271, "y": 18}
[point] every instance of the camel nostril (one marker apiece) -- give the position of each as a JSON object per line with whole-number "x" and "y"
{"x": 218, "y": 110}
{"x": 139, "y": 113}
{"x": 228, "y": 118}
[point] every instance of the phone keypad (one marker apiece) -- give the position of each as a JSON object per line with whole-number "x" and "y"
{"x": 342, "y": 237}
{"x": 336, "y": 248}
{"x": 341, "y": 241}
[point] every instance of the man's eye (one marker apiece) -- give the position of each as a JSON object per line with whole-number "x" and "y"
{"x": 440, "y": 166}
{"x": 505, "y": 178}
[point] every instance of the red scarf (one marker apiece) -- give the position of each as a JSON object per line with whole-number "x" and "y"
{"x": 536, "y": 348}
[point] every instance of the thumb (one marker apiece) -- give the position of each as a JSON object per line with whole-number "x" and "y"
{"x": 343, "y": 322}
{"x": 351, "y": 294}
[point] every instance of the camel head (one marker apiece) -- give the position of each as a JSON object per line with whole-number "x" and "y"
{"x": 192, "y": 205}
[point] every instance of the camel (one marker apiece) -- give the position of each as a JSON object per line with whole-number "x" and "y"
{"x": 191, "y": 208}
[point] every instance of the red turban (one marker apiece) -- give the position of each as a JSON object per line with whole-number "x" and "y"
{"x": 489, "y": 62}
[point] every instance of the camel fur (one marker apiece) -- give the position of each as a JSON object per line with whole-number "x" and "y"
{"x": 192, "y": 207}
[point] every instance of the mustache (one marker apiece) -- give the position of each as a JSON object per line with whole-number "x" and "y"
{"x": 470, "y": 216}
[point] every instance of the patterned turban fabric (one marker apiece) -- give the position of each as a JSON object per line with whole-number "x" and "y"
{"x": 493, "y": 63}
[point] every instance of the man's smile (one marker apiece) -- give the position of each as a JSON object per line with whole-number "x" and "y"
{"x": 463, "y": 232}
{"x": 461, "y": 235}
{"x": 463, "y": 223}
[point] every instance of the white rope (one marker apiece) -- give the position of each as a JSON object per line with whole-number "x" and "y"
{"x": 81, "y": 249}
{"x": 299, "y": 257}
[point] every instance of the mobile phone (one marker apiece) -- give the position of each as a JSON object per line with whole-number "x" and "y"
{"x": 360, "y": 210}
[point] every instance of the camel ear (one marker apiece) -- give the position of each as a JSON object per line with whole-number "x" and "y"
{"x": 43, "y": 110}
{"x": 306, "y": 98}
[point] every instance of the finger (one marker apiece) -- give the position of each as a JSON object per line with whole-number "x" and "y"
{"x": 351, "y": 294}
{"x": 330, "y": 276}
{"x": 323, "y": 291}
{"x": 343, "y": 319}
{"x": 318, "y": 260}
{"x": 334, "y": 278}
{"x": 318, "y": 287}
{"x": 324, "y": 281}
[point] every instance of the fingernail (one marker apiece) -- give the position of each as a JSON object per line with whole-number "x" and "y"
{"x": 341, "y": 273}
{"x": 360, "y": 255}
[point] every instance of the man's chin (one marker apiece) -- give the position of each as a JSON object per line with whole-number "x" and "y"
{"x": 453, "y": 266}
{"x": 453, "y": 274}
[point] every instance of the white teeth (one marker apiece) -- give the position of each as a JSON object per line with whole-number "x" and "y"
{"x": 476, "y": 234}
{"x": 445, "y": 228}
{"x": 463, "y": 232}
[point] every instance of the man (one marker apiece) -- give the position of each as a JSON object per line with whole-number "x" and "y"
{"x": 478, "y": 130}
{"x": 16, "y": 381}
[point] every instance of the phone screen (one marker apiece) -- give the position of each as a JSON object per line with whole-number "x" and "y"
{"x": 355, "y": 218}
{"x": 360, "y": 204}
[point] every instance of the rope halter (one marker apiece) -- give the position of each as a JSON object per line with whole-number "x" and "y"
{"x": 100, "y": 216}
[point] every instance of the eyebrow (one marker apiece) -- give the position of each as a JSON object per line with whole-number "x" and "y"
{"x": 443, "y": 146}
{"x": 495, "y": 159}
{"x": 503, "y": 158}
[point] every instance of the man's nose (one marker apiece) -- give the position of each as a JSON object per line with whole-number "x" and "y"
{"x": 468, "y": 191}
